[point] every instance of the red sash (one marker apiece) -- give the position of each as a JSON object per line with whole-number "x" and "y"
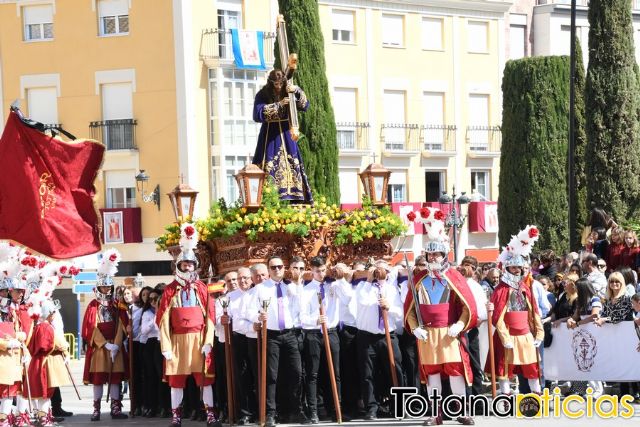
{"x": 517, "y": 322}
{"x": 108, "y": 330}
{"x": 7, "y": 330}
{"x": 435, "y": 315}
{"x": 186, "y": 319}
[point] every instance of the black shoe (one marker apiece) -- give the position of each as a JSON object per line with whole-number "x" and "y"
{"x": 270, "y": 422}
{"x": 314, "y": 418}
{"x": 59, "y": 412}
{"x": 151, "y": 413}
{"x": 244, "y": 421}
{"x": 371, "y": 416}
{"x": 138, "y": 412}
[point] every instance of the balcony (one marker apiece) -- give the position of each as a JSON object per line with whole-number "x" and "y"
{"x": 578, "y": 2}
{"x": 438, "y": 140}
{"x": 352, "y": 137}
{"x": 115, "y": 134}
{"x": 216, "y": 47}
{"x": 484, "y": 141}
{"x": 400, "y": 139}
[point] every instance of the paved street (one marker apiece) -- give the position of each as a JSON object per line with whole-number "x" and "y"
{"x": 83, "y": 408}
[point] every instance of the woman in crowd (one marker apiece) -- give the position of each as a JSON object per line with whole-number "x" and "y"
{"x": 565, "y": 306}
{"x": 138, "y": 349}
{"x": 576, "y": 269}
{"x": 600, "y": 245}
{"x": 549, "y": 287}
{"x": 587, "y": 308}
{"x": 157, "y": 394}
{"x": 614, "y": 254}
{"x": 630, "y": 279}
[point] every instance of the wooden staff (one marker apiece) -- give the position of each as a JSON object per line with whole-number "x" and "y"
{"x": 492, "y": 358}
{"x": 131, "y": 387}
{"x": 204, "y": 339}
{"x": 26, "y": 376}
{"x": 263, "y": 366}
{"x": 66, "y": 365}
{"x": 224, "y": 301}
{"x": 392, "y": 360}
{"x": 329, "y": 357}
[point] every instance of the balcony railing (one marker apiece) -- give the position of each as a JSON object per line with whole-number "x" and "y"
{"x": 578, "y": 2}
{"x": 352, "y": 135}
{"x": 115, "y": 134}
{"x": 399, "y": 137}
{"x": 216, "y": 45}
{"x": 438, "y": 138}
{"x": 484, "y": 139}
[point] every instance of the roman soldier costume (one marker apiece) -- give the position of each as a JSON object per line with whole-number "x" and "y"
{"x": 186, "y": 320}
{"x": 519, "y": 330}
{"x": 103, "y": 330}
{"x": 447, "y": 310}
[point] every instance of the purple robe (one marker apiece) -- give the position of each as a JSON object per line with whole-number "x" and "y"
{"x": 276, "y": 153}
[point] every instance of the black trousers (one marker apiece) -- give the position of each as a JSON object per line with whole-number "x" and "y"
{"x": 244, "y": 376}
{"x": 315, "y": 361}
{"x": 373, "y": 359}
{"x": 137, "y": 379}
{"x": 349, "y": 370}
{"x": 408, "y": 348}
{"x": 156, "y": 392}
{"x": 56, "y": 399}
{"x": 474, "y": 356}
{"x": 220, "y": 385}
{"x": 283, "y": 345}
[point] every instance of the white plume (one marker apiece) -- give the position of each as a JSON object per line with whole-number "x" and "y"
{"x": 109, "y": 262}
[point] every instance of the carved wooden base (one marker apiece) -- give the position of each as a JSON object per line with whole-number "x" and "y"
{"x": 221, "y": 255}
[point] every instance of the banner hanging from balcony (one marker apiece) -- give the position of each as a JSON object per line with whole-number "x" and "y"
{"x": 46, "y": 194}
{"x": 248, "y": 49}
{"x": 483, "y": 217}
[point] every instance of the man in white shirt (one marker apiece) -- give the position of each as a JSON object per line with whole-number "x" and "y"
{"x": 243, "y": 370}
{"x": 373, "y": 297}
{"x": 330, "y": 293}
{"x": 280, "y": 319}
{"x": 594, "y": 275}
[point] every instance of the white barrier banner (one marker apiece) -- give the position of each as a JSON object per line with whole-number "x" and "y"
{"x": 589, "y": 352}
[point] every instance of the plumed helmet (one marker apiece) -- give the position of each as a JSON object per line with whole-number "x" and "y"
{"x": 437, "y": 238}
{"x": 188, "y": 242}
{"x": 516, "y": 253}
{"x": 106, "y": 270}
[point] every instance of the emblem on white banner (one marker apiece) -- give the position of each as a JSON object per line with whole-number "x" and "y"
{"x": 585, "y": 349}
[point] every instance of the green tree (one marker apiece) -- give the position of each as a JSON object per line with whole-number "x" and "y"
{"x": 580, "y": 176}
{"x": 318, "y": 143}
{"x": 535, "y": 129}
{"x": 612, "y": 108}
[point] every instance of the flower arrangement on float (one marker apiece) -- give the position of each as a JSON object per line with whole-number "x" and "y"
{"x": 278, "y": 216}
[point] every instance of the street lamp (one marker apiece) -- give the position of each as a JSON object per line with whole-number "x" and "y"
{"x": 453, "y": 219}
{"x": 183, "y": 200}
{"x": 154, "y": 196}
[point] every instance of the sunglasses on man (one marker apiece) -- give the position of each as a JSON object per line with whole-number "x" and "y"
{"x": 276, "y": 267}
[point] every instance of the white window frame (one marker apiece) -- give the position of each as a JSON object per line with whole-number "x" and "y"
{"x": 41, "y": 25}
{"x": 425, "y": 46}
{"x": 230, "y": 170}
{"x": 224, "y": 37}
{"x": 102, "y": 25}
{"x": 350, "y": 30}
{"x": 487, "y": 175}
{"x": 395, "y": 183}
{"x": 470, "y": 44}
{"x": 387, "y": 43}
{"x": 128, "y": 202}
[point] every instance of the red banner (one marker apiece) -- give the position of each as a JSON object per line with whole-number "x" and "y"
{"x": 483, "y": 217}
{"x": 46, "y": 191}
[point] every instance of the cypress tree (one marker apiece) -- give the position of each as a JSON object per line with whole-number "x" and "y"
{"x": 317, "y": 143}
{"x": 535, "y": 128}
{"x": 580, "y": 176}
{"x": 612, "y": 108}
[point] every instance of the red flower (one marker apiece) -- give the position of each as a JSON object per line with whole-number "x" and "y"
{"x": 533, "y": 232}
{"x": 113, "y": 257}
{"x": 424, "y": 212}
{"x": 411, "y": 216}
{"x": 73, "y": 271}
{"x": 63, "y": 269}
{"x": 42, "y": 263}
{"x": 34, "y": 316}
{"x": 439, "y": 215}
{"x": 188, "y": 231}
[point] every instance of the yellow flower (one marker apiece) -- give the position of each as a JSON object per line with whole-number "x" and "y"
{"x": 247, "y": 221}
{"x": 308, "y": 224}
{"x": 382, "y": 230}
{"x": 255, "y": 221}
{"x": 248, "y": 232}
{"x": 267, "y": 190}
{"x": 260, "y": 230}
{"x": 318, "y": 224}
{"x": 244, "y": 210}
{"x": 369, "y": 234}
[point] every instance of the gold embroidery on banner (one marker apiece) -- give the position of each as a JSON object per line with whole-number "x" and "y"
{"x": 302, "y": 102}
{"x": 47, "y": 194}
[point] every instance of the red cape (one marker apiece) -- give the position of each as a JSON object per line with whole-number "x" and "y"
{"x": 462, "y": 296}
{"x": 40, "y": 346}
{"x": 89, "y": 324}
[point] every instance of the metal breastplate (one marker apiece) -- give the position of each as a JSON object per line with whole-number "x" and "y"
{"x": 106, "y": 314}
{"x": 517, "y": 301}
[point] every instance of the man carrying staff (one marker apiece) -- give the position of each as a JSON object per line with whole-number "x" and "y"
{"x": 447, "y": 308}
{"x": 331, "y": 293}
{"x": 519, "y": 330}
{"x": 103, "y": 330}
{"x": 186, "y": 327}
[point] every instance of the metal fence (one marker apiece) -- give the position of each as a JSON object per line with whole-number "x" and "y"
{"x": 115, "y": 134}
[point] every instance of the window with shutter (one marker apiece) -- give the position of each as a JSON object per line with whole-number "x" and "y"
{"x": 478, "y": 37}
{"x": 432, "y": 34}
{"x": 113, "y": 17}
{"x": 343, "y": 26}
{"x": 38, "y": 22}
{"x": 392, "y": 30}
